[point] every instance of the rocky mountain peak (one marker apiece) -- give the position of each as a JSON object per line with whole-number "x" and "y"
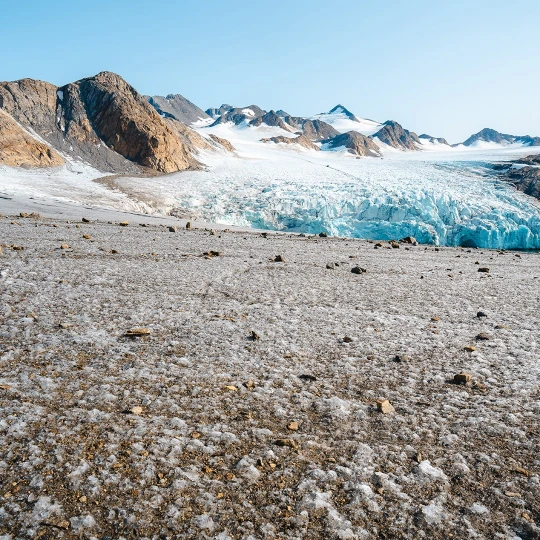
{"x": 356, "y": 143}
{"x": 340, "y": 109}
{"x": 393, "y": 134}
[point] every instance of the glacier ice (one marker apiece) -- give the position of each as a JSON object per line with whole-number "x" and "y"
{"x": 443, "y": 200}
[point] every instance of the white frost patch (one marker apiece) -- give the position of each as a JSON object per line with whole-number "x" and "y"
{"x": 78, "y": 523}
{"x": 246, "y": 468}
{"x": 428, "y": 473}
{"x": 433, "y": 513}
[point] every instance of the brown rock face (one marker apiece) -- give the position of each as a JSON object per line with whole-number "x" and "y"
{"x": 223, "y": 142}
{"x": 101, "y": 120}
{"x": 19, "y": 149}
{"x": 106, "y": 108}
{"x": 394, "y": 135}
{"x": 300, "y": 140}
{"x": 356, "y": 143}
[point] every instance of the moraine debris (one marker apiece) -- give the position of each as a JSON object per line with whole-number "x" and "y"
{"x": 358, "y": 270}
{"x": 384, "y": 406}
{"x": 462, "y": 378}
{"x": 138, "y": 332}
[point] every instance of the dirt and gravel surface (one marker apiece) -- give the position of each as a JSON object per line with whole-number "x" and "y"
{"x": 182, "y": 384}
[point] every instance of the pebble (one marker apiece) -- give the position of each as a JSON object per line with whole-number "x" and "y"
{"x": 137, "y": 410}
{"x": 138, "y": 332}
{"x": 171, "y": 229}
{"x": 482, "y": 336}
{"x": 462, "y": 378}
{"x": 384, "y": 406}
{"x": 64, "y": 246}
{"x": 358, "y": 270}
{"x": 484, "y": 269}
{"x": 86, "y": 236}
{"x": 293, "y": 426}
{"x": 279, "y": 258}
{"x": 124, "y": 223}
{"x": 470, "y": 348}
{"x": 85, "y": 220}
{"x": 188, "y": 225}
{"x": 481, "y": 314}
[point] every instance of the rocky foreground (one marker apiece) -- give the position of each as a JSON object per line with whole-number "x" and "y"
{"x": 161, "y": 383}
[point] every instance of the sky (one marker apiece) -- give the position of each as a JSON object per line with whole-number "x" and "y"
{"x": 444, "y": 67}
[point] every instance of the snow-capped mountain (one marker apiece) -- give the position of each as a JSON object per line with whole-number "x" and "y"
{"x": 488, "y": 135}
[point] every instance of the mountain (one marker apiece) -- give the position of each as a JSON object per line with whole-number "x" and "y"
{"x": 433, "y": 140}
{"x": 394, "y": 135}
{"x": 490, "y": 135}
{"x": 300, "y": 140}
{"x": 238, "y": 115}
{"x": 316, "y": 130}
{"x": 356, "y": 143}
{"x": 340, "y": 109}
{"x": 270, "y": 119}
{"x": 101, "y": 120}
{"x": 215, "y": 113}
{"x": 343, "y": 120}
{"x": 177, "y": 107}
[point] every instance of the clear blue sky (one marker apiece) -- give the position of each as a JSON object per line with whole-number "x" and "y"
{"x": 444, "y": 67}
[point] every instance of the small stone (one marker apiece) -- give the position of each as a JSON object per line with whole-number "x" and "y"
{"x": 384, "y": 406}
{"x": 482, "y": 336}
{"x": 85, "y": 220}
{"x": 137, "y": 410}
{"x": 521, "y": 470}
{"x": 87, "y": 237}
{"x": 358, "y": 270}
{"x": 171, "y": 229}
{"x": 64, "y": 246}
{"x": 293, "y": 426}
{"x": 481, "y": 314}
{"x": 394, "y": 245}
{"x": 249, "y": 384}
{"x": 512, "y": 494}
{"x": 212, "y": 232}
{"x": 323, "y": 235}
{"x": 347, "y": 339}
{"x": 484, "y": 269}
{"x": 114, "y": 251}
{"x": 287, "y": 442}
{"x": 254, "y": 336}
{"x": 195, "y": 435}
{"x": 65, "y": 325}
{"x": 188, "y": 225}
{"x": 231, "y": 388}
{"x": 400, "y": 358}
{"x": 138, "y": 332}
{"x": 462, "y": 378}
{"x": 330, "y": 266}
{"x": 82, "y": 499}
{"x": 378, "y": 245}
{"x": 279, "y": 258}
{"x": 470, "y": 348}
{"x": 409, "y": 240}
{"x": 307, "y": 377}
{"x": 435, "y": 318}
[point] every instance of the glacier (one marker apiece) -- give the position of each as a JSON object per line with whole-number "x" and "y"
{"x": 441, "y": 198}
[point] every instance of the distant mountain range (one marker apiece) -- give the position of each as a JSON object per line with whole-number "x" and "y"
{"x": 105, "y": 122}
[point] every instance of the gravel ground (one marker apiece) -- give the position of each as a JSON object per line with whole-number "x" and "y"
{"x": 249, "y": 410}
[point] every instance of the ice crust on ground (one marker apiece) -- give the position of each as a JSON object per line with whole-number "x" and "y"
{"x": 185, "y": 433}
